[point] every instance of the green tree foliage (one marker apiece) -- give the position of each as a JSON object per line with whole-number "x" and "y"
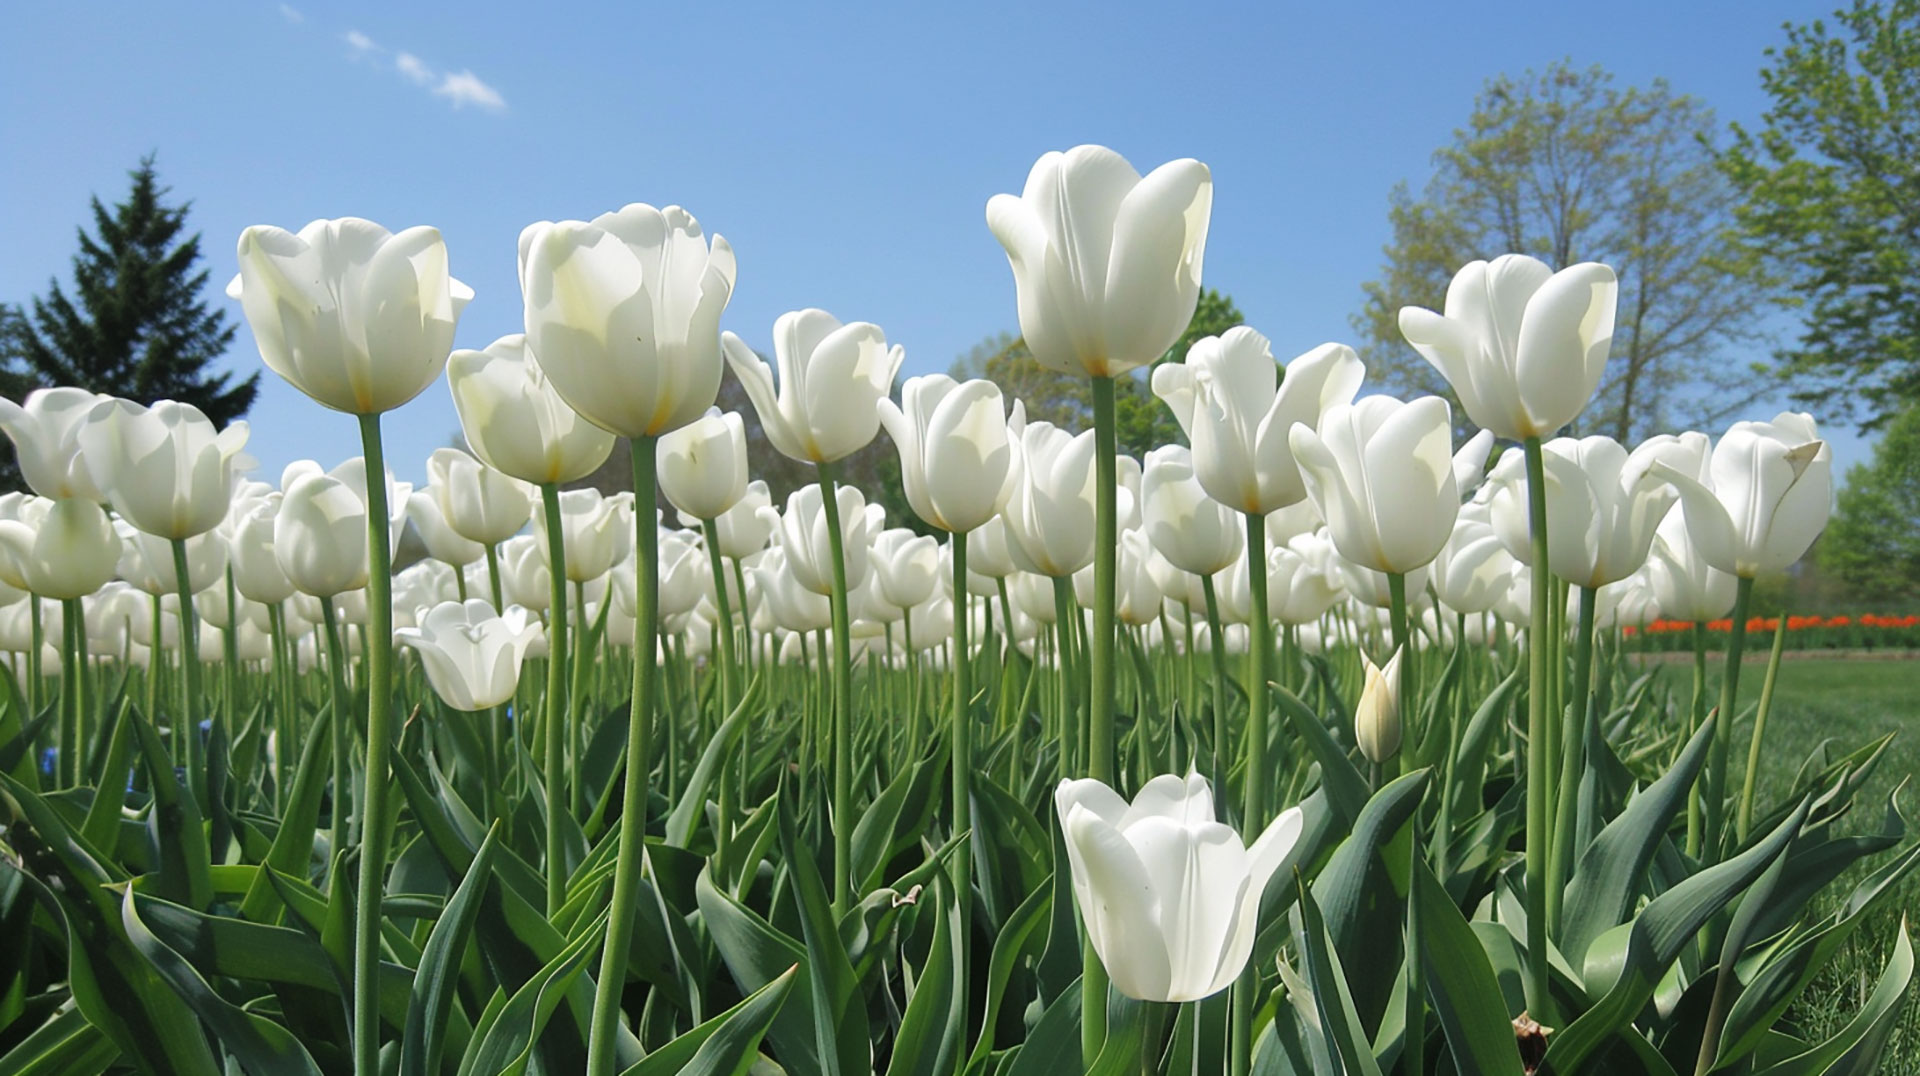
{"x": 136, "y": 324}
{"x": 1565, "y": 166}
{"x": 1872, "y": 544}
{"x": 1831, "y": 189}
{"x": 1142, "y": 423}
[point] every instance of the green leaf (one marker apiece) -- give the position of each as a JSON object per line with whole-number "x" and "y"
{"x": 1363, "y": 891}
{"x": 437, "y": 978}
{"x": 1008, "y": 949}
{"x": 727, "y": 1044}
{"x": 1345, "y": 1038}
{"x": 173, "y": 825}
{"x": 756, "y": 953}
{"x": 1628, "y": 961}
{"x": 1346, "y": 789}
{"x": 840, "y": 1023}
{"x": 1856, "y": 1050}
{"x": 927, "y": 1038}
{"x": 63, "y": 1045}
{"x": 1613, "y": 868}
{"x": 1053, "y": 1047}
{"x": 292, "y": 849}
{"x": 110, "y": 794}
{"x": 689, "y": 810}
{"x": 503, "y": 1043}
{"x": 263, "y": 1047}
{"x": 1460, "y": 982}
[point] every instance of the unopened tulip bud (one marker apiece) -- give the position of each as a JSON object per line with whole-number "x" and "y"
{"x": 1376, "y": 720}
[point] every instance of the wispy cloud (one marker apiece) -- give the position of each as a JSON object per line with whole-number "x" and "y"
{"x": 292, "y": 14}
{"x": 460, "y": 88}
{"x": 465, "y": 88}
{"x": 413, "y": 67}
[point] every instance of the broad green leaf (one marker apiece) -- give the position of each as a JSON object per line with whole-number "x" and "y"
{"x": 63, "y": 1045}
{"x": 1362, "y": 893}
{"x": 1461, "y": 985}
{"x": 1341, "y": 1030}
{"x": 292, "y": 850}
{"x": 1346, "y": 789}
{"x": 727, "y": 1044}
{"x": 505, "y": 1044}
{"x": 174, "y": 827}
{"x": 927, "y": 1038}
{"x": 1856, "y": 1050}
{"x": 436, "y": 980}
{"x": 693, "y": 798}
{"x": 1008, "y": 948}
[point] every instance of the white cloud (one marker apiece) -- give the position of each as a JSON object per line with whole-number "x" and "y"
{"x": 466, "y": 88}
{"x": 291, "y": 14}
{"x": 361, "y": 43}
{"x": 413, "y": 67}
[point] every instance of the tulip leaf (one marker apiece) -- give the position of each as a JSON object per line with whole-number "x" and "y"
{"x": 110, "y": 793}
{"x": 173, "y": 825}
{"x": 1460, "y": 982}
{"x": 1008, "y": 948}
{"x": 1612, "y": 870}
{"x": 1625, "y": 964}
{"x": 430, "y": 1002}
{"x": 693, "y": 799}
{"x": 894, "y": 822}
{"x": 1363, "y": 891}
{"x": 292, "y": 849}
{"x": 262, "y": 1046}
{"x": 727, "y": 1044}
{"x": 757, "y": 953}
{"x": 1340, "y": 1027}
{"x": 927, "y": 1039}
{"x": 67, "y": 1043}
{"x": 1470, "y": 761}
{"x": 1053, "y": 1046}
{"x": 1856, "y": 1050}
{"x": 1346, "y": 789}
{"x": 840, "y": 1022}
{"x": 504, "y": 1040}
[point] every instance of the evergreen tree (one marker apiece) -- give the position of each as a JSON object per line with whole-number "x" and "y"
{"x": 135, "y": 325}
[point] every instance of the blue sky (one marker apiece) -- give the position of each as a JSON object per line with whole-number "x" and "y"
{"x": 847, "y": 155}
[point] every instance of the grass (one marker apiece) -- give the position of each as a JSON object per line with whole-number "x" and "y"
{"x": 1849, "y": 702}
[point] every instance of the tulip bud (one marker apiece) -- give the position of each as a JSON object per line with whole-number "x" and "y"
{"x": 803, "y": 534}
{"x": 320, "y": 536}
{"x": 832, "y": 379}
{"x": 703, "y": 465}
{"x": 1050, "y": 517}
{"x": 1768, "y": 495}
{"x": 1193, "y": 531}
{"x": 357, "y": 317}
{"x": 1376, "y": 719}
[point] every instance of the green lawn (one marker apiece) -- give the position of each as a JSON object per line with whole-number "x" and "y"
{"x": 1849, "y": 702}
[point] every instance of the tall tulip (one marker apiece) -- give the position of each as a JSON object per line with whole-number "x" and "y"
{"x": 1381, "y": 474}
{"x": 703, "y": 465}
{"x": 317, "y": 536}
{"x": 1522, "y": 345}
{"x": 165, "y": 468}
{"x": 45, "y": 431}
{"x": 1051, "y": 516}
{"x": 624, "y": 316}
{"x": 832, "y": 378}
{"x": 516, "y": 421}
{"x": 956, "y": 449}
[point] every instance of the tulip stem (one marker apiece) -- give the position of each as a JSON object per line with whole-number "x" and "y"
{"x": 67, "y": 774}
{"x": 190, "y": 674}
{"x": 36, "y": 638}
{"x": 1217, "y": 651}
{"x": 1259, "y": 644}
{"x": 337, "y": 699}
{"x": 842, "y": 669}
{"x": 724, "y": 632}
{"x": 1698, "y": 713}
{"x": 605, "y": 1028}
{"x": 1721, "y": 751}
{"x": 1572, "y": 757}
{"x": 378, "y": 645}
{"x": 552, "y": 752}
{"x": 962, "y": 783}
{"x": 281, "y": 701}
{"x": 1751, "y": 778}
{"x": 1539, "y": 836}
{"x": 1093, "y": 997}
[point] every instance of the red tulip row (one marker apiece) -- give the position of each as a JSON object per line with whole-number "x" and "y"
{"x": 1866, "y": 631}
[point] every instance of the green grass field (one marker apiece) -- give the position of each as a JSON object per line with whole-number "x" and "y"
{"x": 1848, "y": 702}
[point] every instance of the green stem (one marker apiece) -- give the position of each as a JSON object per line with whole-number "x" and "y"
{"x": 497, "y": 716}
{"x": 378, "y": 646}
{"x": 724, "y": 634}
{"x": 1217, "y": 651}
{"x": 36, "y": 638}
{"x": 612, "y": 981}
{"x": 1093, "y": 995}
{"x": 1572, "y": 758}
{"x": 1751, "y": 779}
{"x": 842, "y": 669}
{"x": 67, "y": 773}
{"x": 552, "y": 751}
{"x": 282, "y": 703}
{"x": 337, "y": 695}
{"x": 1697, "y": 714}
{"x": 1259, "y": 645}
{"x": 1719, "y": 758}
{"x": 1539, "y": 835}
{"x": 962, "y": 782}
{"x": 581, "y": 661}
{"x": 190, "y": 674}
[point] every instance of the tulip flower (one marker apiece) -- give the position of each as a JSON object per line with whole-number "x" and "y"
{"x": 1050, "y": 516}
{"x": 1236, "y": 409}
{"x": 906, "y": 566}
{"x": 1376, "y": 719}
{"x": 516, "y": 421}
{"x": 480, "y": 503}
{"x": 471, "y": 656}
{"x": 788, "y": 604}
{"x": 147, "y": 561}
{"x": 357, "y": 317}
{"x": 1380, "y": 472}
{"x": 684, "y": 576}
{"x": 1170, "y": 897}
{"x": 46, "y": 441}
{"x": 1195, "y": 532}
{"x": 1137, "y": 598}
{"x": 524, "y": 575}
{"x": 62, "y": 549}
{"x": 988, "y": 549}
{"x": 597, "y": 532}
{"x": 743, "y": 530}
{"x": 1473, "y": 570}
{"x": 320, "y": 536}
{"x": 624, "y": 315}
{"x": 1522, "y": 345}
{"x": 703, "y": 465}
{"x": 803, "y": 533}
{"x": 1769, "y": 493}
{"x": 1686, "y": 587}
{"x": 1603, "y": 505}
{"x": 1106, "y": 263}
{"x": 443, "y": 543}
{"x": 956, "y": 451}
{"x": 832, "y": 379}
{"x": 164, "y": 469}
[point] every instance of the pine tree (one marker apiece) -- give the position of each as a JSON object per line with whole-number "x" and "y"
{"x": 136, "y": 325}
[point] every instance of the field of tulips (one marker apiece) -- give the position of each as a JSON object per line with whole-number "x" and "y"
{"x": 1312, "y": 745}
